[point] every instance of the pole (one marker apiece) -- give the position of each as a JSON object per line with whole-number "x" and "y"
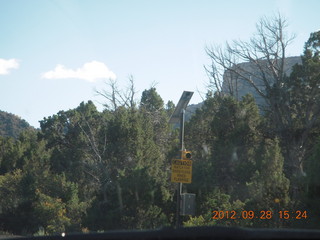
{"x": 179, "y": 185}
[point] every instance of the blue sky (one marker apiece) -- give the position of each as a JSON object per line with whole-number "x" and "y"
{"x": 55, "y": 53}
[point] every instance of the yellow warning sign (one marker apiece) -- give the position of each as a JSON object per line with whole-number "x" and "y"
{"x": 181, "y": 171}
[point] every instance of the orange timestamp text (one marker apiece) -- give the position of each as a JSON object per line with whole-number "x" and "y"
{"x": 263, "y": 214}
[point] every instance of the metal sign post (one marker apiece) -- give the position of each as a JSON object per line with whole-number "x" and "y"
{"x": 179, "y": 190}
{"x": 178, "y": 116}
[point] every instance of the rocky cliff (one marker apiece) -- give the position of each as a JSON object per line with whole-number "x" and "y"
{"x": 236, "y": 85}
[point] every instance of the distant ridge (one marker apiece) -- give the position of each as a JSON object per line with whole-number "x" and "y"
{"x": 12, "y": 125}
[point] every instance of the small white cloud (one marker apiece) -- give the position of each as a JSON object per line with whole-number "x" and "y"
{"x": 90, "y": 71}
{"x": 6, "y": 65}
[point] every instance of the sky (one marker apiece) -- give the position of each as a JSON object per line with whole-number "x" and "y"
{"x": 54, "y": 54}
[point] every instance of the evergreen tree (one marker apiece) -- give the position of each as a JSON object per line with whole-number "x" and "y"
{"x": 225, "y": 135}
{"x": 269, "y": 187}
{"x": 299, "y": 98}
{"x": 135, "y": 147}
{"x": 32, "y": 196}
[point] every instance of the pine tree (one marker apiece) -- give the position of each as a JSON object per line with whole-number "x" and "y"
{"x": 269, "y": 188}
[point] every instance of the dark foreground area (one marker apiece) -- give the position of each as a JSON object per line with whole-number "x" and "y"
{"x": 191, "y": 233}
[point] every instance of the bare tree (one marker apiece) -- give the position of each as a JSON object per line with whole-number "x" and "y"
{"x": 97, "y": 164}
{"x": 265, "y": 52}
{"x": 115, "y": 97}
{"x": 261, "y": 63}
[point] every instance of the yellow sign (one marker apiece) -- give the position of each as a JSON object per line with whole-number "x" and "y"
{"x": 181, "y": 171}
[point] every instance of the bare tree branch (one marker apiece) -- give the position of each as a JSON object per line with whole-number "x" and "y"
{"x": 261, "y": 63}
{"x": 116, "y": 98}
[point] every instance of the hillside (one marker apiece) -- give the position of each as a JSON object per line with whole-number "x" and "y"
{"x": 11, "y": 125}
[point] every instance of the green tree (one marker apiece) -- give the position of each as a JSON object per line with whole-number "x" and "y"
{"x": 224, "y": 138}
{"x": 9, "y": 154}
{"x": 24, "y": 190}
{"x": 57, "y": 207}
{"x": 51, "y": 213}
{"x": 296, "y": 122}
{"x": 215, "y": 202}
{"x": 291, "y": 101}
{"x": 199, "y": 138}
{"x": 302, "y": 96}
{"x": 269, "y": 187}
{"x": 312, "y": 193}
{"x": 151, "y": 100}
{"x": 77, "y": 140}
{"x": 135, "y": 153}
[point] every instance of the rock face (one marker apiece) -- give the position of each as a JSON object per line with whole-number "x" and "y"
{"x": 236, "y": 85}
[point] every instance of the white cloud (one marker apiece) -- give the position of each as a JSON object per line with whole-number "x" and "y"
{"x": 6, "y": 65}
{"x": 90, "y": 71}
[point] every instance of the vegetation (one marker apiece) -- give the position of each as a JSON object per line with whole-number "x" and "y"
{"x": 11, "y": 125}
{"x": 86, "y": 170}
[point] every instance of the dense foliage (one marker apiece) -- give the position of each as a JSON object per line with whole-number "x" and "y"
{"x": 86, "y": 170}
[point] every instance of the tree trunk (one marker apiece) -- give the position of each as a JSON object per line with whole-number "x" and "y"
{"x": 294, "y": 156}
{"x": 119, "y": 193}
